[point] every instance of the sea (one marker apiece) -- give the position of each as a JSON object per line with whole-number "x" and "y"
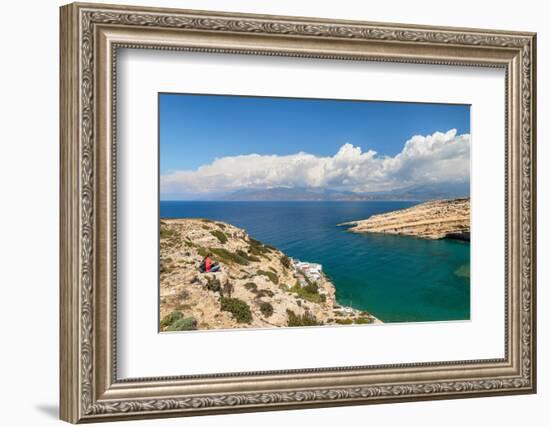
{"x": 395, "y": 278}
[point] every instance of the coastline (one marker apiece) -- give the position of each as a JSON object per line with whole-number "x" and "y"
{"x": 329, "y": 289}
{"x": 434, "y": 219}
{"x": 258, "y": 286}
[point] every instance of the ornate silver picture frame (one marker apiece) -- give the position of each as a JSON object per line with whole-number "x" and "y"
{"x": 91, "y": 34}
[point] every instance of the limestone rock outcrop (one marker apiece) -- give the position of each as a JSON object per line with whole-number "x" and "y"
{"x": 435, "y": 219}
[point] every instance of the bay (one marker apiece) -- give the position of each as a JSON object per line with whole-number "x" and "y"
{"x": 396, "y": 278}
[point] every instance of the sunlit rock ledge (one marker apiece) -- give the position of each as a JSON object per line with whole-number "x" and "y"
{"x": 436, "y": 219}
{"x": 257, "y": 286}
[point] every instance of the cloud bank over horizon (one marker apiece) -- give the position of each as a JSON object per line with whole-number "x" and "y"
{"x": 442, "y": 157}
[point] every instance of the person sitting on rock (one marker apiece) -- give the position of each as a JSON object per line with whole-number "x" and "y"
{"x": 207, "y": 266}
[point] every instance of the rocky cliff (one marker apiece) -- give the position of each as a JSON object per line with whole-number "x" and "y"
{"x": 431, "y": 220}
{"x": 257, "y": 286}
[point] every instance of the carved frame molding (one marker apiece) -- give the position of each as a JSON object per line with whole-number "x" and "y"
{"x": 90, "y": 37}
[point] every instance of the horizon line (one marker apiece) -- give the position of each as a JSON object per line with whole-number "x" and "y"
{"x": 320, "y": 200}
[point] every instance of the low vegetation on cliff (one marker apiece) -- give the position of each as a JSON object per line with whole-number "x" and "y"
{"x": 257, "y": 285}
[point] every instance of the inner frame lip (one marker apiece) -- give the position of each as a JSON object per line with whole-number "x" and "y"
{"x": 482, "y": 363}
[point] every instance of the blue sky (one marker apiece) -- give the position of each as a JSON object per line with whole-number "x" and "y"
{"x": 219, "y": 144}
{"x": 195, "y": 129}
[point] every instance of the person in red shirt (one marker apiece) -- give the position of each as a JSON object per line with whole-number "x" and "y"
{"x": 207, "y": 263}
{"x": 207, "y": 266}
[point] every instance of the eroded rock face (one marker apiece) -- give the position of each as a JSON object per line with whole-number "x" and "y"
{"x": 259, "y": 275}
{"x": 436, "y": 219}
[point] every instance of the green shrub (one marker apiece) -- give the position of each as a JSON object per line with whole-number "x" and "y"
{"x": 306, "y": 319}
{"x": 187, "y": 242}
{"x": 202, "y": 251}
{"x": 251, "y": 286}
{"x": 220, "y": 224}
{"x": 255, "y": 252}
{"x": 256, "y": 243}
{"x": 246, "y": 256}
{"x": 238, "y": 308}
{"x": 220, "y": 235}
{"x": 264, "y": 293}
{"x": 223, "y": 255}
{"x": 183, "y": 324}
{"x": 166, "y": 233}
{"x": 213, "y": 284}
{"x": 266, "y": 309}
{"x": 311, "y": 288}
{"x": 176, "y": 322}
{"x": 229, "y": 257}
{"x": 170, "y": 236}
{"x": 344, "y": 321}
{"x": 363, "y": 320}
{"x": 270, "y": 275}
{"x": 285, "y": 261}
{"x": 170, "y": 318}
{"x": 257, "y": 247}
{"x": 310, "y": 292}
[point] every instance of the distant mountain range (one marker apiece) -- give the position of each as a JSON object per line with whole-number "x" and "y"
{"x": 425, "y": 192}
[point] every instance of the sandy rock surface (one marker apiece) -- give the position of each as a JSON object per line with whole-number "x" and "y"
{"x": 257, "y": 274}
{"x": 431, "y": 220}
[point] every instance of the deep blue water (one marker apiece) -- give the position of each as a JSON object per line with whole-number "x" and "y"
{"x": 396, "y": 278}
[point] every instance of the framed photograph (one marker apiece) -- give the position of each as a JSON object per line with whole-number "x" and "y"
{"x": 266, "y": 213}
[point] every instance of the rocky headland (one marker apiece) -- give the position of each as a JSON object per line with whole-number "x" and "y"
{"x": 435, "y": 219}
{"x": 257, "y": 286}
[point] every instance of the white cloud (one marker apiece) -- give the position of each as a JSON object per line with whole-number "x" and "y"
{"x": 437, "y": 158}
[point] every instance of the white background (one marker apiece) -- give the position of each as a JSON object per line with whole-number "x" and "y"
{"x": 29, "y": 171}
{"x": 143, "y": 73}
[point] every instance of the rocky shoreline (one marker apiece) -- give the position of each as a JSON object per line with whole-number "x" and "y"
{"x": 436, "y": 219}
{"x": 257, "y": 286}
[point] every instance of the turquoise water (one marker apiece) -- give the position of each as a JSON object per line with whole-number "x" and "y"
{"x": 396, "y": 278}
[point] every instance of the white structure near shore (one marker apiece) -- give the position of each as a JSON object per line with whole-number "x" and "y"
{"x": 309, "y": 272}
{"x": 312, "y": 271}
